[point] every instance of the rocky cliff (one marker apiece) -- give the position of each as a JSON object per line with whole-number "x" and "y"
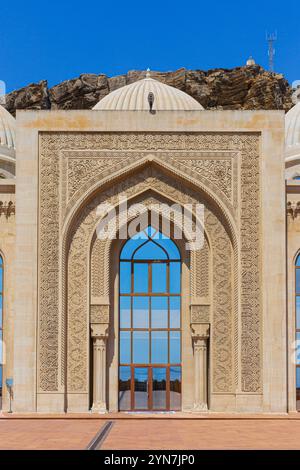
{"x": 248, "y": 87}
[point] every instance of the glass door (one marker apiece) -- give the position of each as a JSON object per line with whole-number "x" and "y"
{"x": 141, "y": 388}
{"x": 150, "y": 324}
{"x": 159, "y": 388}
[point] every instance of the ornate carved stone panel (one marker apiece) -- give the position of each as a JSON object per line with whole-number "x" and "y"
{"x": 222, "y": 306}
{"x": 200, "y": 314}
{"x": 200, "y": 272}
{"x": 97, "y": 267}
{"x": 219, "y": 171}
{"x": 222, "y": 340}
{"x": 81, "y": 169}
{"x": 53, "y": 181}
{"x": 99, "y": 314}
{"x": 251, "y": 354}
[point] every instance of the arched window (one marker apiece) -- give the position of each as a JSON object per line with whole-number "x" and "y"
{"x": 1, "y": 327}
{"x": 297, "y": 283}
{"x": 150, "y": 323}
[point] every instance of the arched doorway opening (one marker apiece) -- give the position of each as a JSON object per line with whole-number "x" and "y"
{"x": 150, "y": 323}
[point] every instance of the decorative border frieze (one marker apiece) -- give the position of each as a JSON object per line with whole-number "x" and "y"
{"x": 80, "y": 169}
{"x": 52, "y": 323}
{"x": 200, "y": 313}
{"x": 99, "y": 314}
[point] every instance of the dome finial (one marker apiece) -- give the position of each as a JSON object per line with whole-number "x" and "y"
{"x": 250, "y": 61}
{"x": 148, "y": 73}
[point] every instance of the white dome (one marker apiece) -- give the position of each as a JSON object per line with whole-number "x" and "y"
{"x": 7, "y": 135}
{"x": 292, "y": 133}
{"x": 134, "y": 97}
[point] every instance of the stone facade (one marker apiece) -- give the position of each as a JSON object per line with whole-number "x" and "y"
{"x": 7, "y": 252}
{"x": 65, "y": 294}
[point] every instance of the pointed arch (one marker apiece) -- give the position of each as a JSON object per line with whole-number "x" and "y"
{"x": 211, "y": 196}
{"x": 140, "y": 187}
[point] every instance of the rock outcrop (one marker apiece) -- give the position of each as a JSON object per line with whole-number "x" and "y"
{"x": 33, "y": 96}
{"x": 248, "y": 87}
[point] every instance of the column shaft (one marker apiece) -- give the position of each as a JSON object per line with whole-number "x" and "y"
{"x": 99, "y": 370}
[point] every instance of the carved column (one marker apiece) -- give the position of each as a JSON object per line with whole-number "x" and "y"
{"x": 99, "y": 333}
{"x": 200, "y": 335}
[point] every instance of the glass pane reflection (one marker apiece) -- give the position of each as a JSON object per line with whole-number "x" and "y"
{"x": 141, "y": 388}
{"x": 159, "y": 347}
{"x": 125, "y": 312}
{"x": 1, "y": 348}
{"x": 150, "y": 251}
{"x": 169, "y": 246}
{"x": 298, "y": 281}
{"x": 175, "y": 347}
{"x": 298, "y": 378}
{"x": 159, "y": 277}
{"x": 140, "y": 277}
{"x": 174, "y": 312}
{"x": 125, "y": 346}
{"x": 298, "y": 347}
{"x": 175, "y": 388}
{"x": 125, "y": 278}
{"x": 298, "y": 311}
{"x": 159, "y": 312}
{"x": 124, "y": 388}
{"x": 131, "y": 245}
{"x": 298, "y": 387}
{"x": 159, "y": 387}
{"x": 140, "y": 312}
{"x": 150, "y": 354}
{"x": 140, "y": 342}
{"x": 175, "y": 278}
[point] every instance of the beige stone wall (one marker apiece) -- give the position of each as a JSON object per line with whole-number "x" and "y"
{"x": 7, "y": 251}
{"x": 231, "y": 161}
{"x": 293, "y": 249}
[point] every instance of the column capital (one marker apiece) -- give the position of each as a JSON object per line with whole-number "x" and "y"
{"x": 99, "y": 330}
{"x": 200, "y": 331}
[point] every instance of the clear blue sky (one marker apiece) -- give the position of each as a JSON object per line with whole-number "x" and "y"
{"x": 58, "y": 40}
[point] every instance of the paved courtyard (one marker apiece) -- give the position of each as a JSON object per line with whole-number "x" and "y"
{"x": 151, "y": 433}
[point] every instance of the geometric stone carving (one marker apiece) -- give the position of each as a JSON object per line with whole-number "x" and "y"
{"x": 200, "y": 271}
{"x": 97, "y": 272}
{"x": 99, "y": 314}
{"x": 218, "y": 171}
{"x": 54, "y": 303}
{"x": 200, "y": 313}
{"x": 250, "y": 271}
{"x": 222, "y": 306}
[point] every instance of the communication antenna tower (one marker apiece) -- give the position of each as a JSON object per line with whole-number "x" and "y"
{"x": 271, "y": 38}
